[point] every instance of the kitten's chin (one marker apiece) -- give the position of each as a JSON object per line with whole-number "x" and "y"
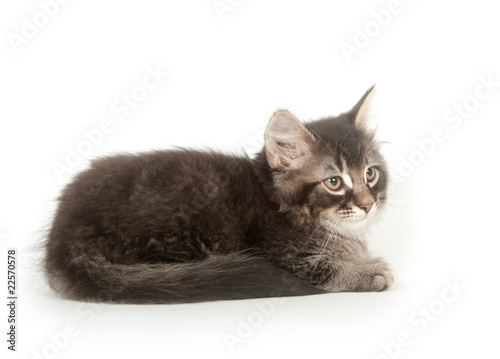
{"x": 354, "y": 225}
{"x": 350, "y": 226}
{"x": 357, "y": 219}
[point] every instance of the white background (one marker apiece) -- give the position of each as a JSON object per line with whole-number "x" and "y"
{"x": 227, "y": 75}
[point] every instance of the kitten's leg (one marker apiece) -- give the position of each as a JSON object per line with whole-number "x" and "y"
{"x": 359, "y": 275}
{"x": 333, "y": 274}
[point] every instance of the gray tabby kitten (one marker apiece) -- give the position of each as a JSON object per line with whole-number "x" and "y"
{"x": 187, "y": 226}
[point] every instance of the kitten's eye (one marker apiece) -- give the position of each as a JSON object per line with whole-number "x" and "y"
{"x": 371, "y": 173}
{"x": 333, "y": 183}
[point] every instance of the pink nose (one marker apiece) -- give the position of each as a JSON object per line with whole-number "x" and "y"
{"x": 365, "y": 206}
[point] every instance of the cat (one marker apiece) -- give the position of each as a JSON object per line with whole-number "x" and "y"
{"x": 181, "y": 225}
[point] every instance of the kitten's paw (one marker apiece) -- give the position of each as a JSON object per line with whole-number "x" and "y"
{"x": 381, "y": 277}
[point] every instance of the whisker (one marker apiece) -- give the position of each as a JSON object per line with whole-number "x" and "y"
{"x": 309, "y": 237}
{"x": 331, "y": 232}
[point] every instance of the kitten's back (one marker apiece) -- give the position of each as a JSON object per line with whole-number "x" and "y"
{"x": 162, "y": 227}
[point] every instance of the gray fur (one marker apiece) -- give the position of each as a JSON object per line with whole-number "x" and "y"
{"x": 188, "y": 226}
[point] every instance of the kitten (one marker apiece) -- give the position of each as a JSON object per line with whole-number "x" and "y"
{"x": 187, "y": 226}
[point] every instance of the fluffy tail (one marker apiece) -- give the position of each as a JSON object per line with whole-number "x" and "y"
{"x": 227, "y": 277}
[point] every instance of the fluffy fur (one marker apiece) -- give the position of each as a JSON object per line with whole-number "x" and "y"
{"x": 187, "y": 226}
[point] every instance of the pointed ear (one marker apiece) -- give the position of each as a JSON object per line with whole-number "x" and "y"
{"x": 361, "y": 109}
{"x": 287, "y": 141}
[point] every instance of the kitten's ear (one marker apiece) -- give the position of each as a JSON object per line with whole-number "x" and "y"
{"x": 287, "y": 141}
{"x": 360, "y": 110}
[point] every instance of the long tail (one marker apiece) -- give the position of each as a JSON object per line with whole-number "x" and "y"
{"x": 227, "y": 277}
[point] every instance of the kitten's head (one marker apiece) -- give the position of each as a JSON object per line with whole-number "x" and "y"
{"x": 329, "y": 170}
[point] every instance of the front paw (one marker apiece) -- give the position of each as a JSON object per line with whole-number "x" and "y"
{"x": 379, "y": 277}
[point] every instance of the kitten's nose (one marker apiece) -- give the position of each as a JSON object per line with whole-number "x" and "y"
{"x": 364, "y": 200}
{"x": 365, "y": 206}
